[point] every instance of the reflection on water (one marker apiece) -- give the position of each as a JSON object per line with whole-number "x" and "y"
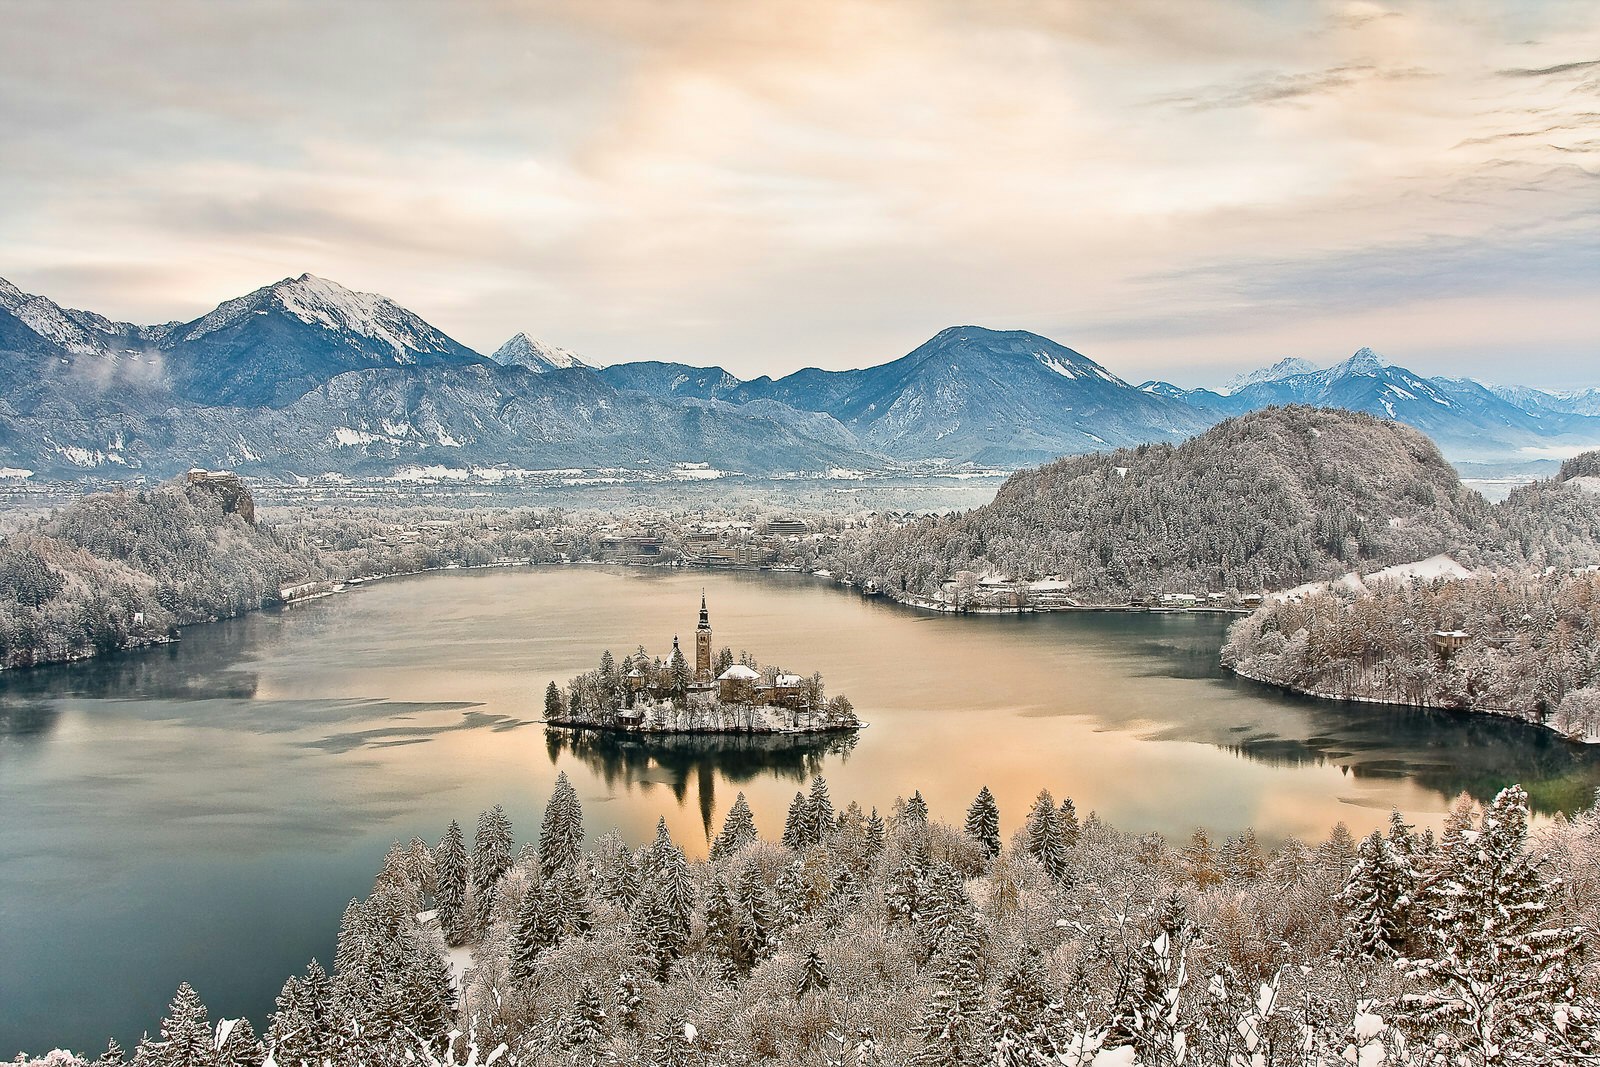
{"x": 203, "y": 811}
{"x": 677, "y": 760}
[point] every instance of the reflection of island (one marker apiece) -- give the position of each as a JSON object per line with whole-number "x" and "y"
{"x": 646, "y": 696}
{"x": 618, "y": 757}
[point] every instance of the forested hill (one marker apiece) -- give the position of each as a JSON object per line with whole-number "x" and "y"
{"x": 1554, "y": 523}
{"x": 115, "y": 570}
{"x": 1266, "y": 500}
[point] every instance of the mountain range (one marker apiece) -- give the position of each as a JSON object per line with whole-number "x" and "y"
{"x": 304, "y": 377}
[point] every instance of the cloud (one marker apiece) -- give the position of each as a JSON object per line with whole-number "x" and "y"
{"x": 766, "y": 187}
{"x": 1559, "y": 68}
{"x": 1282, "y": 88}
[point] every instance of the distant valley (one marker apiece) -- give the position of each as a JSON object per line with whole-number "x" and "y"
{"x": 305, "y": 379}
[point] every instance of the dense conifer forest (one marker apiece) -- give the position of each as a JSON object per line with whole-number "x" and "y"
{"x": 865, "y": 939}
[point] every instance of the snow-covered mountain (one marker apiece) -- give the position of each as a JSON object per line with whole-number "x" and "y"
{"x": 1284, "y": 368}
{"x": 1468, "y": 420}
{"x": 990, "y": 397}
{"x": 307, "y": 377}
{"x": 536, "y": 355}
{"x": 672, "y": 379}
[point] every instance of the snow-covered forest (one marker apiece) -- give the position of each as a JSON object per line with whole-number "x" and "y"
{"x": 120, "y": 569}
{"x": 860, "y": 939}
{"x": 1265, "y": 501}
{"x": 1510, "y": 643}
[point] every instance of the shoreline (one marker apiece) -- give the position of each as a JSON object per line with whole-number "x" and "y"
{"x": 1337, "y": 698}
{"x": 705, "y": 731}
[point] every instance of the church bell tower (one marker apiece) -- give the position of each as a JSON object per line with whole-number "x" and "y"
{"x": 702, "y": 644}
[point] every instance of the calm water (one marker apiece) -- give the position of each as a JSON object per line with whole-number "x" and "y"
{"x": 203, "y": 812}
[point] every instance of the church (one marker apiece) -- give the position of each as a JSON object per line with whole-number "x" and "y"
{"x": 737, "y": 683}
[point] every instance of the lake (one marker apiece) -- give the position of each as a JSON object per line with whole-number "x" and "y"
{"x": 203, "y": 811}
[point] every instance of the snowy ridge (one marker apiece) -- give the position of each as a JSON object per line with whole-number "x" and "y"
{"x": 319, "y": 302}
{"x": 536, "y": 355}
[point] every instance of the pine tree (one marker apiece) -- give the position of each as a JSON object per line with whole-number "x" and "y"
{"x": 450, "y": 885}
{"x": 738, "y": 830}
{"x": 1020, "y": 1035}
{"x": 877, "y": 834}
{"x": 1067, "y": 823}
{"x": 491, "y": 857}
{"x": 586, "y": 1026}
{"x": 629, "y": 997}
{"x": 561, "y": 835}
{"x": 186, "y": 1035}
{"x": 554, "y": 706}
{"x": 813, "y": 976}
{"x": 1044, "y": 840}
{"x": 1497, "y": 959}
{"x": 1377, "y": 901}
{"x": 113, "y": 1056}
{"x": 916, "y": 811}
{"x": 983, "y": 822}
{"x": 819, "y": 812}
{"x": 797, "y": 827}
{"x": 240, "y": 1047}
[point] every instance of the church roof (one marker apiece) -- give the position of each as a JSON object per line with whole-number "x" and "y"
{"x": 738, "y": 673}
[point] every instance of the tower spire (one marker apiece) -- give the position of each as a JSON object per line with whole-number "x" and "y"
{"x": 705, "y": 616}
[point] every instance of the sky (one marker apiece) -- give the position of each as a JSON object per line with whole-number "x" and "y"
{"x": 1177, "y": 189}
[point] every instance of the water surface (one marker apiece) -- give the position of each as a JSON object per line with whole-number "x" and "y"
{"x": 204, "y": 811}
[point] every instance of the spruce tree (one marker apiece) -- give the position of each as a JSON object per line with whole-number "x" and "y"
{"x": 819, "y": 812}
{"x": 1376, "y": 901}
{"x": 1067, "y": 823}
{"x": 877, "y": 834}
{"x": 738, "y": 830}
{"x": 586, "y": 1026}
{"x": 186, "y": 1036}
{"x": 983, "y": 822}
{"x": 554, "y": 706}
{"x": 813, "y": 976}
{"x": 537, "y": 929}
{"x": 916, "y": 811}
{"x": 1497, "y": 956}
{"x": 240, "y": 1047}
{"x": 1044, "y": 841}
{"x": 450, "y": 885}
{"x": 491, "y": 857}
{"x": 797, "y": 827}
{"x": 561, "y": 835}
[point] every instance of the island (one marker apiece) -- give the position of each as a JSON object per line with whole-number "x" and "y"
{"x": 719, "y": 695}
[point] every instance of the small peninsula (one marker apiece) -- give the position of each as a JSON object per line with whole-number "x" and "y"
{"x": 719, "y": 695}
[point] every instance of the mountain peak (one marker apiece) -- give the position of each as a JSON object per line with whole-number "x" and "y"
{"x": 536, "y": 355}
{"x": 1365, "y": 361}
{"x": 1284, "y": 368}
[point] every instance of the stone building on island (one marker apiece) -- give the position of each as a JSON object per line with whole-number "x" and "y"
{"x": 716, "y": 694}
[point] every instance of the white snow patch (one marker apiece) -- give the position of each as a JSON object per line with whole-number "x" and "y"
{"x": 344, "y": 437}
{"x": 15, "y": 472}
{"x": 1440, "y": 566}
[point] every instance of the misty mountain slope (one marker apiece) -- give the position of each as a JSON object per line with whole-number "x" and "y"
{"x": 273, "y": 345}
{"x": 984, "y": 396}
{"x": 371, "y": 423}
{"x": 1269, "y": 500}
{"x": 307, "y": 377}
